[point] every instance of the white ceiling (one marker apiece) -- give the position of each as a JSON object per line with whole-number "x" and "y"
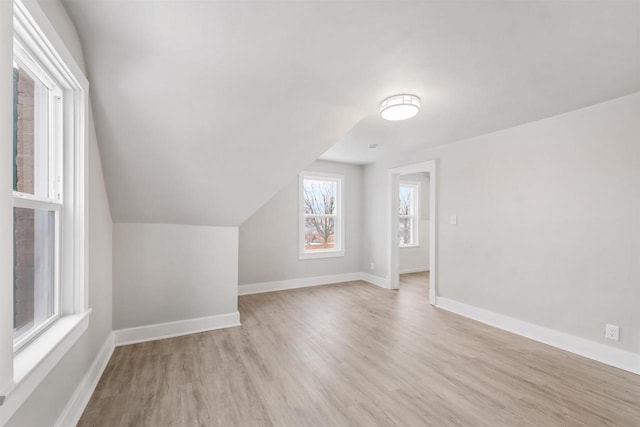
{"x": 205, "y": 109}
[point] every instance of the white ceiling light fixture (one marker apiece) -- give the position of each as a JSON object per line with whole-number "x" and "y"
{"x": 399, "y": 107}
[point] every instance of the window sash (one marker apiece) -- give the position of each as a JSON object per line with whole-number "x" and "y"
{"x": 336, "y": 229}
{"x": 32, "y": 202}
{"x": 26, "y": 200}
{"x": 337, "y": 196}
{"x": 54, "y": 126}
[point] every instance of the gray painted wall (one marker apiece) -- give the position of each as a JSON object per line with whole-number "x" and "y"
{"x": 548, "y": 220}
{"x": 417, "y": 258}
{"x": 269, "y": 238}
{"x": 548, "y": 231}
{"x": 166, "y": 272}
{"x": 47, "y": 402}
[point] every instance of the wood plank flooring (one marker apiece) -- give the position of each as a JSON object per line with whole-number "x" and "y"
{"x": 355, "y": 355}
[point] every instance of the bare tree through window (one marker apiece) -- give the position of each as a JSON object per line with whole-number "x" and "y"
{"x": 407, "y": 209}
{"x": 320, "y": 206}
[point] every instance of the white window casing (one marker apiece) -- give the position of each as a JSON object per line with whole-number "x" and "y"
{"x": 337, "y": 246}
{"x": 38, "y": 48}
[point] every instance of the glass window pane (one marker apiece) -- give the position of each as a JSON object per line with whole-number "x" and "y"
{"x": 406, "y": 200}
{"x": 34, "y": 271}
{"x": 319, "y": 233}
{"x": 320, "y": 196}
{"x": 30, "y": 134}
{"x": 405, "y": 232}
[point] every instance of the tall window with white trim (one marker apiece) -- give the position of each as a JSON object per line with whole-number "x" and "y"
{"x": 45, "y": 293}
{"x": 408, "y": 214}
{"x": 49, "y": 184}
{"x": 37, "y": 195}
{"x": 321, "y": 217}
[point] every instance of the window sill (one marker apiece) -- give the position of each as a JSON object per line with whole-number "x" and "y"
{"x": 36, "y": 360}
{"x": 319, "y": 254}
{"x": 409, "y": 246}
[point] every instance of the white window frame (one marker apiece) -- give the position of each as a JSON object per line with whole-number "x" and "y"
{"x": 339, "y": 230}
{"x": 33, "y": 359}
{"x": 415, "y": 217}
{"x": 53, "y": 201}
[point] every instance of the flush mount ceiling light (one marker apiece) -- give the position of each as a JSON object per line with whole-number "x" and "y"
{"x": 399, "y": 107}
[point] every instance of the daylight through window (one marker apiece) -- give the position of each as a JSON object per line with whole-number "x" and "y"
{"x": 37, "y": 146}
{"x": 321, "y": 217}
{"x": 408, "y": 214}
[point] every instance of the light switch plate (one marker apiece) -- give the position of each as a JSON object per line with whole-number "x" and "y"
{"x": 454, "y": 220}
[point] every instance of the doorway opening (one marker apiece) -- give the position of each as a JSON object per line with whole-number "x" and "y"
{"x": 412, "y": 226}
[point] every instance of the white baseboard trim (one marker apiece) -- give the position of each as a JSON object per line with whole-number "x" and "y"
{"x": 303, "y": 282}
{"x": 603, "y": 353}
{"x": 375, "y": 280}
{"x": 78, "y": 402}
{"x": 174, "y": 329}
{"x": 414, "y": 270}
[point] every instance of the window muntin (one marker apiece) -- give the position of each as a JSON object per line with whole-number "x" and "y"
{"x": 37, "y": 196}
{"x": 408, "y": 214}
{"x": 321, "y": 215}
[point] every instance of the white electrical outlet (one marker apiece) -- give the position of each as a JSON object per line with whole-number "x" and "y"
{"x": 453, "y": 220}
{"x": 612, "y": 332}
{"x": 372, "y": 266}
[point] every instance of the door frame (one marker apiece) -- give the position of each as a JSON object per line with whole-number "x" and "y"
{"x": 393, "y": 250}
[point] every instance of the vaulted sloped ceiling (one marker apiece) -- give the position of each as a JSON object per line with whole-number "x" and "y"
{"x": 205, "y": 109}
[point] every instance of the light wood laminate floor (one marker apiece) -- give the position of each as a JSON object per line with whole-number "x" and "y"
{"x": 354, "y": 354}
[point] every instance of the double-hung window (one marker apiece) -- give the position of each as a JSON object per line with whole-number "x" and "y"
{"x": 321, "y": 215}
{"x": 408, "y": 214}
{"x": 37, "y": 196}
{"x": 49, "y": 278}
